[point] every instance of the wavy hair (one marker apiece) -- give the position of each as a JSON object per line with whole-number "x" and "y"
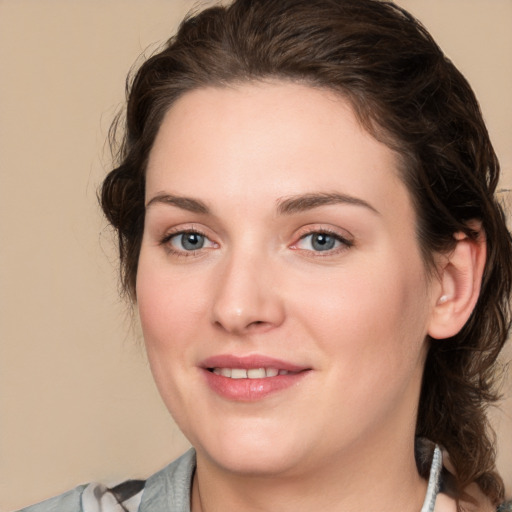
{"x": 408, "y": 95}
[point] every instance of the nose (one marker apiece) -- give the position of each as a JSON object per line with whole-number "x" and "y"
{"x": 247, "y": 298}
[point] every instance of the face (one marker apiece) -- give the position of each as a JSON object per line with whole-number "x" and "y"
{"x": 283, "y": 299}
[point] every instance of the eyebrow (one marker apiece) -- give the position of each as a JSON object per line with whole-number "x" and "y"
{"x": 285, "y": 206}
{"x": 185, "y": 203}
{"x": 304, "y": 202}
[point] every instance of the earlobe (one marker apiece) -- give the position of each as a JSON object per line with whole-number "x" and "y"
{"x": 460, "y": 277}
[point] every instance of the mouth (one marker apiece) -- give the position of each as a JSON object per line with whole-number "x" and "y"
{"x": 252, "y": 373}
{"x": 251, "y": 378}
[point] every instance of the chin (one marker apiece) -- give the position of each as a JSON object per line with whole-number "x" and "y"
{"x": 251, "y": 452}
{"x": 253, "y": 462}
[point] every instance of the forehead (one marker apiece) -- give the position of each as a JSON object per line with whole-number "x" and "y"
{"x": 260, "y": 138}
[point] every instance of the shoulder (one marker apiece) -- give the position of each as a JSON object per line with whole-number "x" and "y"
{"x": 70, "y": 501}
{"x": 505, "y": 507}
{"x": 95, "y": 497}
{"x": 169, "y": 489}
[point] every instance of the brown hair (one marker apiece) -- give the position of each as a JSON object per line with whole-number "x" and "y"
{"x": 408, "y": 95}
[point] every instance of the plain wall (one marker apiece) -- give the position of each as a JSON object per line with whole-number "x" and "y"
{"x": 77, "y": 402}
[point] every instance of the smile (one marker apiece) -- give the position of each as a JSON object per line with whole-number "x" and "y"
{"x": 252, "y": 377}
{"x": 253, "y": 373}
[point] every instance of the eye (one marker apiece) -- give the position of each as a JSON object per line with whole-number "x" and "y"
{"x": 187, "y": 241}
{"x": 321, "y": 242}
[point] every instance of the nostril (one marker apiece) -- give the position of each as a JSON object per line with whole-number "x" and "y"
{"x": 256, "y": 323}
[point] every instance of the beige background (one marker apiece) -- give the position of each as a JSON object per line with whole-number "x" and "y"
{"x": 77, "y": 402}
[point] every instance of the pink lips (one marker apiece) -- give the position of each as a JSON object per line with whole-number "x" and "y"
{"x": 250, "y": 389}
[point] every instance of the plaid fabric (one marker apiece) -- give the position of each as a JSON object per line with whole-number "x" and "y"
{"x": 124, "y": 497}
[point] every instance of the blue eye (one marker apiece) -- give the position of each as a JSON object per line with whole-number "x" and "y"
{"x": 188, "y": 241}
{"x": 321, "y": 242}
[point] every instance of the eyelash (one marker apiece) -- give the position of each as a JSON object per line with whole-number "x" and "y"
{"x": 344, "y": 242}
{"x": 166, "y": 241}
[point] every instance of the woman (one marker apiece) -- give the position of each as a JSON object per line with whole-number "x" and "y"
{"x": 307, "y": 224}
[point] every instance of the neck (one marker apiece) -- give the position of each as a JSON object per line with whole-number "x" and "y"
{"x": 359, "y": 479}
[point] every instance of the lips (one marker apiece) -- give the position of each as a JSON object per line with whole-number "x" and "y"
{"x": 250, "y": 378}
{"x": 251, "y": 373}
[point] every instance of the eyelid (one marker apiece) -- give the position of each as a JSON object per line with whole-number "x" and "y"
{"x": 182, "y": 230}
{"x": 346, "y": 240}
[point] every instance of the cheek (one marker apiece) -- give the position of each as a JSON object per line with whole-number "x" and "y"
{"x": 375, "y": 315}
{"x": 169, "y": 309}
{"x": 168, "y": 305}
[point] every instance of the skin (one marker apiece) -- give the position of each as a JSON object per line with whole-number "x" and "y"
{"x": 357, "y": 315}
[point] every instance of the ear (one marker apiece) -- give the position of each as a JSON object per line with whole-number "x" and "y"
{"x": 460, "y": 278}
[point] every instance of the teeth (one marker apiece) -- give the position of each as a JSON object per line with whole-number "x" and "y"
{"x": 256, "y": 373}
{"x": 253, "y": 373}
{"x": 238, "y": 373}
